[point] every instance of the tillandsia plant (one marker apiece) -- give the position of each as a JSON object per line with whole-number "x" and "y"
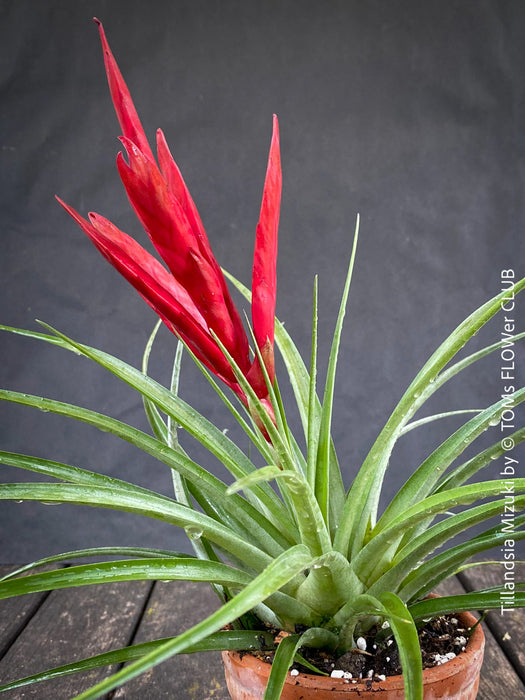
{"x": 308, "y": 556}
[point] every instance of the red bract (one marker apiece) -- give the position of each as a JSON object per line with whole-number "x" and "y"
{"x": 191, "y": 295}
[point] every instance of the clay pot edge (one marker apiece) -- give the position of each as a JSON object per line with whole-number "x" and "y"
{"x": 474, "y": 649}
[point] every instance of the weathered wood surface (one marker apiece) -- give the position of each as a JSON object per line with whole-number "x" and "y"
{"x": 15, "y": 614}
{"x": 41, "y": 631}
{"x": 67, "y": 626}
{"x": 497, "y": 673}
{"x": 173, "y": 608}
{"x": 508, "y": 627}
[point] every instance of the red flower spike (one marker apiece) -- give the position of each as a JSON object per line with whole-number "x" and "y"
{"x": 157, "y": 287}
{"x": 166, "y": 224}
{"x": 124, "y": 107}
{"x": 159, "y": 213}
{"x": 191, "y": 296}
{"x": 264, "y": 276}
{"x": 178, "y": 188}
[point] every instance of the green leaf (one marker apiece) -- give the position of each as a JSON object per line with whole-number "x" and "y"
{"x": 255, "y": 437}
{"x": 309, "y": 518}
{"x": 172, "y": 569}
{"x": 347, "y": 617}
{"x": 155, "y": 420}
{"x": 276, "y": 575}
{"x": 465, "y": 471}
{"x": 329, "y": 585}
{"x": 437, "y": 416}
{"x": 391, "y": 607}
{"x": 267, "y": 473}
{"x": 287, "y": 652}
{"x": 423, "y": 480}
{"x": 405, "y": 632}
{"x": 459, "y": 475}
{"x": 141, "y": 552}
{"x": 264, "y": 448}
{"x": 519, "y": 585}
{"x": 273, "y": 393}
{"x": 479, "y": 600}
{"x": 363, "y": 497}
{"x": 216, "y": 489}
{"x": 82, "y": 476}
{"x": 290, "y": 611}
{"x": 377, "y": 548}
{"x": 422, "y": 546}
{"x": 322, "y": 469}
{"x": 275, "y": 432}
{"x": 285, "y": 455}
{"x": 299, "y": 659}
{"x": 300, "y": 381}
{"x": 194, "y": 423}
{"x": 424, "y": 578}
{"x": 74, "y": 475}
{"x": 312, "y": 438}
{"x": 454, "y": 369}
{"x": 184, "y": 490}
{"x": 205, "y": 432}
{"x": 444, "y": 530}
{"x": 152, "y": 507}
{"x": 282, "y": 661}
{"x": 223, "y": 640}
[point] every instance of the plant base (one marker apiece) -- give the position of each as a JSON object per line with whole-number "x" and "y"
{"x": 458, "y": 679}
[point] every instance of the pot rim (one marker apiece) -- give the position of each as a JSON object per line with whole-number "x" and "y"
{"x": 435, "y": 674}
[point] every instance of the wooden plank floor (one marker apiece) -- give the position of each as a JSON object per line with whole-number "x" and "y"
{"x": 44, "y": 630}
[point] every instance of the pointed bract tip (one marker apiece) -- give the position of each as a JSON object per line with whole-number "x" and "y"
{"x": 62, "y": 203}
{"x": 65, "y": 206}
{"x": 102, "y": 34}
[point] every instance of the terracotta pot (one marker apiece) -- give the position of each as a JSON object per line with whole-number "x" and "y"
{"x": 458, "y": 679}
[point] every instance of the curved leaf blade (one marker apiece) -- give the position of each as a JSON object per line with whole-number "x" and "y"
{"x": 276, "y": 575}
{"x": 153, "y": 507}
{"x": 405, "y": 632}
{"x": 480, "y": 600}
{"x": 322, "y": 468}
{"x": 140, "y": 552}
{"x": 211, "y": 485}
{"x": 172, "y": 569}
{"x": 246, "y": 640}
{"x": 362, "y": 500}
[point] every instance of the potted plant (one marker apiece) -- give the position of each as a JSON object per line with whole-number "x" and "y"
{"x": 307, "y": 572}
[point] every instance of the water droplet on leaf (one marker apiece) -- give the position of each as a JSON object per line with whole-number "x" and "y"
{"x": 194, "y": 532}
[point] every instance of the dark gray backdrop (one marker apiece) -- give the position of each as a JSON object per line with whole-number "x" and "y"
{"x": 412, "y": 113}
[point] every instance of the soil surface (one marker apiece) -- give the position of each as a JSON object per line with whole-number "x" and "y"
{"x": 377, "y": 657}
